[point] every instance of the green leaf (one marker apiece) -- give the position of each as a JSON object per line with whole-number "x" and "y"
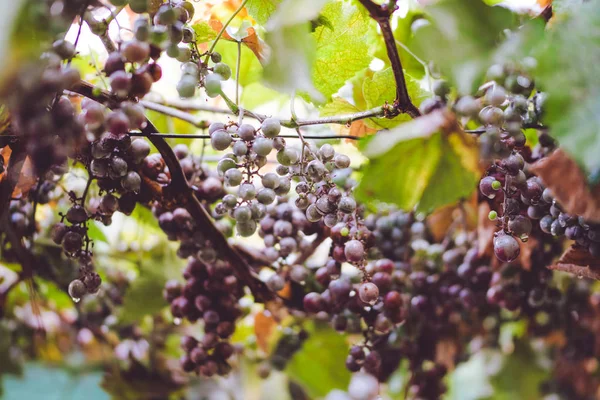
{"x": 338, "y": 106}
{"x": 51, "y": 383}
{"x": 520, "y": 376}
{"x": 462, "y": 39}
{"x": 319, "y": 378}
{"x": 572, "y": 109}
{"x": 470, "y": 380}
{"x": 292, "y": 47}
{"x": 380, "y": 89}
{"x": 420, "y": 162}
{"x": 342, "y": 50}
{"x": 261, "y": 10}
{"x": 256, "y": 94}
{"x": 204, "y": 32}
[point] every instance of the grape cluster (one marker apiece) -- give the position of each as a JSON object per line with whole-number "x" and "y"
{"x": 43, "y": 118}
{"x": 211, "y": 294}
{"x": 392, "y": 232}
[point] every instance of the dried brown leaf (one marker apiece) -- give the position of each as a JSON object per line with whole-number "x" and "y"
{"x": 252, "y": 41}
{"x": 578, "y": 261}
{"x": 264, "y": 326}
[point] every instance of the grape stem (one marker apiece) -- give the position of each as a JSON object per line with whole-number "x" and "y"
{"x": 177, "y": 109}
{"x": 381, "y": 14}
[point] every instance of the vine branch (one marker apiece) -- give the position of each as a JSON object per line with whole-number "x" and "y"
{"x": 577, "y": 270}
{"x": 381, "y": 14}
{"x": 179, "y": 191}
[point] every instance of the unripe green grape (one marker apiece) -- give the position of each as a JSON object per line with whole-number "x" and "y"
{"x": 266, "y": 196}
{"x": 139, "y": 6}
{"x": 284, "y": 186}
{"x": 270, "y": 127}
{"x": 246, "y": 229}
{"x": 230, "y": 201}
{"x": 186, "y": 87}
{"x": 242, "y": 214}
{"x": 185, "y": 54}
{"x": 262, "y": 146}
{"x": 258, "y": 210}
{"x": 223, "y": 70}
{"x": 270, "y": 180}
{"x": 491, "y": 115}
{"x": 247, "y": 191}
{"x": 225, "y": 164}
{"x": 141, "y": 29}
{"x": 173, "y": 50}
{"x": 190, "y": 68}
{"x": 166, "y": 15}
{"x": 288, "y": 156}
{"x": 158, "y": 35}
{"x": 240, "y": 148}
{"x": 441, "y": 88}
{"x": 220, "y": 140}
{"x": 212, "y": 85}
{"x": 215, "y": 57}
{"x": 233, "y": 177}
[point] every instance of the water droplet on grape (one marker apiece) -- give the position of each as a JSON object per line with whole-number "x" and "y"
{"x": 524, "y": 238}
{"x": 177, "y": 321}
{"x": 75, "y": 299}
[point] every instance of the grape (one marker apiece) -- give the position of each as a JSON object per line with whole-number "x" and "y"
{"x": 77, "y": 289}
{"x": 520, "y": 225}
{"x": 118, "y": 167}
{"x": 76, "y": 214}
{"x": 270, "y": 180}
{"x": 225, "y": 164}
{"x": 220, "y": 140}
{"x": 368, "y": 292}
{"x": 341, "y": 161}
{"x": 246, "y": 132}
{"x": 270, "y": 127}
{"x": 64, "y": 49}
{"x": 135, "y": 51}
{"x": 186, "y": 87}
{"x": 491, "y": 115}
{"x": 347, "y": 205}
{"x": 212, "y": 84}
{"x": 246, "y": 229}
{"x": 240, "y": 148}
{"x": 506, "y": 248}
{"x": 276, "y": 283}
{"x": 58, "y": 232}
{"x": 496, "y": 95}
{"x": 468, "y": 106}
{"x": 266, "y": 196}
{"x": 247, "y": 191}
{"x": 288, "y": 156}
{"x": 262, "y": 146}
{"x": 313, "y": 303}
{"x": 215, "y": 126}
{"x": 242, "y": 214}
{"x": 192, "y": 69}
{"x": 72, "y": 242}
{"x": 139, "y": 150}
{"x": 233, "y": 177}
{"x": 120, "y": 83}
{"x": 488, "y": 187}
{"x": 131, "y": 182}
{"x": 223, "y": 70}
{"x": 109, "y": 204}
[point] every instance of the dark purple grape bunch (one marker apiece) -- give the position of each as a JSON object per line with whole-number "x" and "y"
{"x": 393, "y": 232}
{"x": 44, "y": 120}
{"x": 21, "y": 218}
{"x": 206, "y": 182}
{"x": 211, "y": 293}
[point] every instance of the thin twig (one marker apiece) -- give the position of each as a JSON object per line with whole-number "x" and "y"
{"x": 170, "y": 108}
{"x": 237, "y": 73}
{"x": 205, "y": 136}
{"x": 381, "y": 14}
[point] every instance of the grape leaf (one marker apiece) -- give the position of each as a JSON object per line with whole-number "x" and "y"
{"x": 342, "y": 50}
{"x": 573, "y": 105}
{"x": 327, "y": 374}
{"x": 250, "y": 68}
{"x": 261, "y": 10}
{"x": 462, "y": 39}
{"x": 204, "y": 32}
{"x": 338, "y": 107}
{"x": 426, "y": 162}
{"x": 292, "y": 47}
{"x": 377, "y": 91}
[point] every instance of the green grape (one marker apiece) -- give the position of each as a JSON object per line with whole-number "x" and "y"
{"x": 186, "y": 87}
{"x": 212, "y": 85}
{"x": 270, "y": 127}
{"x": 223, "y": 70}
